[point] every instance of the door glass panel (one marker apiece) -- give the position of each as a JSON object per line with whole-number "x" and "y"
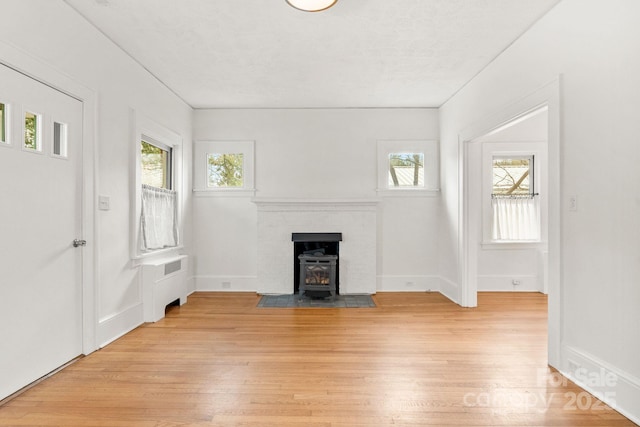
{"x": 60, "y": 139}
{"x": 32, "y": 138}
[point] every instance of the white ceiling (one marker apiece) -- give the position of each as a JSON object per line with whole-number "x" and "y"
{"x": 360, "y": 53}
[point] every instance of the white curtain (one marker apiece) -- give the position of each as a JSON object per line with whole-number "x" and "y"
{"x": 158, "y": 221}
{"x": 515, "y": 218}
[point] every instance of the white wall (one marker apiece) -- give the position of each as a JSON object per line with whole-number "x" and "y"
{"x": 316, "y": 154}
{"x": 51, "y": 31}
{"x": 593, "y": 45}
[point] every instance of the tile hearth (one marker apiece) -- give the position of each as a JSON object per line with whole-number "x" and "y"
{"x": 293, "y": 301}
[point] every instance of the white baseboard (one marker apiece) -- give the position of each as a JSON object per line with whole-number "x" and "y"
{"x": 113, "y": 327}
{"x": 226, "y": 283}
{"x": 449, "y": 289}
{"x": 191, "y": 285}
{"x": 615, "y": 387}
{"x": 502, "y": 283}
{"x": 397, "y": 283}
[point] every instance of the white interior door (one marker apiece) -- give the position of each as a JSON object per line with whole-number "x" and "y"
{"x": 40, "y": 216}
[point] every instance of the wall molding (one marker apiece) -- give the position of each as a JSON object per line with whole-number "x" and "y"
{"x": 449, "y": 289}
{"x": 503, "y": 283}
{"x": 623, "y": 395}
{"x": 408, "y": 283}
{"x": 119, "y": 324}
{"x": 267, "y": 204}
{"x": 215, "y": 283}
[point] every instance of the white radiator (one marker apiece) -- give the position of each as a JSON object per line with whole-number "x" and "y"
{"x": 163, "y": 282}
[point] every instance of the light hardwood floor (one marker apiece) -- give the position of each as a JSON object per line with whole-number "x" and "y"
{"x": 415, "y": 360}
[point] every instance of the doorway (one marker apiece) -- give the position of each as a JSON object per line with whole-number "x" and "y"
{"x": 508, "y": 205}
{"x": 549, "y": 96}
{"x": 41, "y": 169}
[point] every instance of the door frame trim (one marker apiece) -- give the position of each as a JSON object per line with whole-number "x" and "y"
{"x": 547, "y": 95}
{"x": 25, "y": 63}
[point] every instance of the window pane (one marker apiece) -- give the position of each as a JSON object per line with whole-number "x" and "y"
{"x": 225, "y": 170}
{"x": 32, "y": 131}
{"x": 156, "y": 165}
{"x": 60, "y": 139}
{"x": 3, "y": 123}
{"x": 406, "y": 170}
{"x": 512, "y": 175}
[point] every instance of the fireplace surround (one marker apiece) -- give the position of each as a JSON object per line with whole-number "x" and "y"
{"x": 356, "y": 220}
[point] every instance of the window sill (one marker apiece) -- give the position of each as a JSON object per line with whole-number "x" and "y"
{"x": 514, "y": 245}
{"x": 227, "y": 192}
{"x": 151, "y": 257}
{"x": 407, "y": 192}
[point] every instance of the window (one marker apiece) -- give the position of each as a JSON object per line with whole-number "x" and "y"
{"x": 155, "y": 161}
{"x": 225, "y": 170}
{"x": 515, "y": 209}
{"x": 407, "y": 167}
{"x": 3, "y": 124}
{"x": 32, "y": 131}
{"x": 156, "y": 199}
{"x": 158, "y": 217}
{"x": 512, "y": 176}
{"x": 406, "y": 170}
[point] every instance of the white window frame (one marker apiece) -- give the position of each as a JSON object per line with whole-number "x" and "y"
{"x": 200, "y": 179}
{"x": 429, "y": 148}
{"x": 534, "y": 150}
{"x": 164, "y": 147}
{"x": 144, "y": 128}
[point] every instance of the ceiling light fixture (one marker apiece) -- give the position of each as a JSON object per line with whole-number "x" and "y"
{"x": 311, "y": 5}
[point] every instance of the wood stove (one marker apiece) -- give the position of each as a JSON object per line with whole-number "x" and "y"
{"x": 316, "y": 256}
{"x": 317, "y": 274}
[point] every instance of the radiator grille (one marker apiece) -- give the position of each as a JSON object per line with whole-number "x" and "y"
{"x": 172, "y": 267}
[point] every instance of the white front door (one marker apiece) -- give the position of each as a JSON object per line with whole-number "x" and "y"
{"x": 40, "y": 216}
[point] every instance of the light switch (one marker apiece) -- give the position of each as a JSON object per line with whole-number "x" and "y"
{"x": 104, "y": 203}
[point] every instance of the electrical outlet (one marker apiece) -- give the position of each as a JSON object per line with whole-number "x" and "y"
{"x": 573, "y": 203}
{"x": 104, "y": 203}
{"x": 409, "y": 284}
{"x": 226, "y": 285}
{"x": 516, "y": 282}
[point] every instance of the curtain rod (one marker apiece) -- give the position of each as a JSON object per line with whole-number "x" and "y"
{"x": 514, "y": 196}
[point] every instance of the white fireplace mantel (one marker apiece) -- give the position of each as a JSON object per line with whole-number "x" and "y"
{"x": 356, "y": 219}
{"x": 303, "y": 204}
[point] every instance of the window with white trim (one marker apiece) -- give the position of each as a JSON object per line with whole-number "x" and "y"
{"x": 224, "y": 168}
{"x": 155, "y": 163}
{"x": 156, "y": 199}
{"x": 158, "y": 216}
{"x": 513, "y": 192}
{"x": 407, "y": 167}
{"x": 515, "y": 209}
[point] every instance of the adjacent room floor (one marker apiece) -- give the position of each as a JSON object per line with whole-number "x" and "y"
{"x": 416, "y": 359}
